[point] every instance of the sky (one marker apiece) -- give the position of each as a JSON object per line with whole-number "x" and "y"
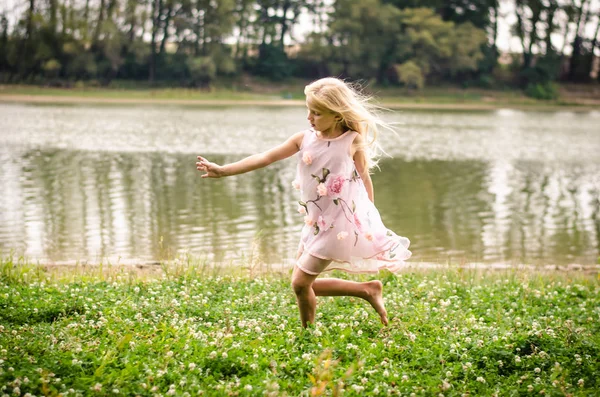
{"x": 505, "y": 43}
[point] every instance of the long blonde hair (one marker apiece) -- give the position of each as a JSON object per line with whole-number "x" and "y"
{"x": 356, "y": 110}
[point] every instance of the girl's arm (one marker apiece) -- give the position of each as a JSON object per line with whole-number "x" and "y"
{"x": 251, "y": 163}
{"x": 360, "y": 162}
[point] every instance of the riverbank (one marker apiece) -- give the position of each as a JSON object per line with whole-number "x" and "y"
{"x": 449, "y": 98}
{"x": 451, "y": 332}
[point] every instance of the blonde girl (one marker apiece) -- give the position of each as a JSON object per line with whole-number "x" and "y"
{"x": 342, "y": 228}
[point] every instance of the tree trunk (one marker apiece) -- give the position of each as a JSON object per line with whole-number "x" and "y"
{"x": 284, "y": 25}
{"x": 24, "y": 44}
{"x": 199, "y": 43}
{"x": 521, "y": 33}
{"x": 30, "y": 19}
{"x": 86, "y": 15}
{"x": 100, "y": 22}
{"x": 533, "y": 36}
{"x": 53, "y": 11}
{"x": 166, "y": 27}
{"x": 156, "y": 7}
{"x": 112, "y": 4}
{"x": 550, "y": 26}
{"x": 593, "y": 49}
{"x": 576, "y": 46}
{"x": 63, "y": 16}
{"x": 131, "y": 7}
{"x": 495, "y": 27}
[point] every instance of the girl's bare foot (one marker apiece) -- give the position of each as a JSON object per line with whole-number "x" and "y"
{"x": 375, "y": 298}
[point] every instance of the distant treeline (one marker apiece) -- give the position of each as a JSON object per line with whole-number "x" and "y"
{"x": 394, "y": 42}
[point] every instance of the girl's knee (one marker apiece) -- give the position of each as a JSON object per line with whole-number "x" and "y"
{"x": 301, "y": 281}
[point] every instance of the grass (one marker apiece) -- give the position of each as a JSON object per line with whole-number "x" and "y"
{"x": 197, "y": 330}
{"x": 258, "y": 90}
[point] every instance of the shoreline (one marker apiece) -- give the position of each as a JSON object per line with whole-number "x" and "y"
{"x": 458, "y": 106}
{"x": 162, "y": 267}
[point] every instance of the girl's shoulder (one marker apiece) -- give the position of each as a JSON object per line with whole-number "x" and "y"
{"x": 303, "y": 137}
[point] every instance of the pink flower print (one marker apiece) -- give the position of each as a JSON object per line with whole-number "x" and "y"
{"x": 307, "y": 158}
{"x": 369, "y": 236}
{"x": 308, "y": 221}
{"x": 324, "y": 222}
{"x": 301, "y": 210}
{"x": 322, "y": 189}
{"x": 321, "y": 223}
{"x": 296, "y": 184}
{"x": 357, "y": 222}
{"x": 335, "y": 184}
{"x": 342, "y": 235}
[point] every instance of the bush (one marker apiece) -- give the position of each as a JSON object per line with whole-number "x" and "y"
{"x": 202, "y": 71}
{"x": 546, "y": 91}
{"x": 272, "y": 63}
{"x": 51, "y": 68}
{"x": 410, "y": 74}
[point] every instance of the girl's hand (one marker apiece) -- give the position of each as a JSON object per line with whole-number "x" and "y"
{"x": 212, "y": 170}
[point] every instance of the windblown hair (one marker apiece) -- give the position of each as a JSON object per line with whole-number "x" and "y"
{"x": 356, "y": 110}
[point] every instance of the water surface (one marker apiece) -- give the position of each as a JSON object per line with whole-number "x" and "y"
{"x": 92, "y": 183}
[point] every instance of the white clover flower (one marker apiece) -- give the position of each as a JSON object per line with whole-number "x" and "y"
{"x": 97, "y": 387}
{"x": 212, "y": 354}
{"x": 530, "y": 388}
{"x": 248, "y": 387}
{"x": 386, "y": 373}
{"x": 224, "y": 355}
{"x": 192, "y": 366}
{"x": 537, "y": 370}
{"x": 480, "y": 379}
{"x": 445, "y": 385}
{"x": 580, "y": 382}
{"x": 115, "y": 391}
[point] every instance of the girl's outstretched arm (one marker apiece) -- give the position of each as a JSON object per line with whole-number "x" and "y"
{"x": 251, "y": 163}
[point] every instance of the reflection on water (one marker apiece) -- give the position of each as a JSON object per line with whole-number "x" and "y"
{"x": 476, "y": 187}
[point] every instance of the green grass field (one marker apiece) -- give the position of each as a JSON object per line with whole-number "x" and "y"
{"x": 264, "y": 91}
{"x": 194, "y": 331}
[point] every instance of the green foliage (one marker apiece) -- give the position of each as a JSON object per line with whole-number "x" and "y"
{"x": 360, "y": 39}
{"x": 51, "y": 68}
{"x": 272, "y": 62}
{"x": 546, "y": 90}
{"x": 410, "y": 74}
{"x": 202, "y": 71}
{"x": 451, "y": 332}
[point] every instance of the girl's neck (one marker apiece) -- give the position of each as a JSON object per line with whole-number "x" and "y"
{"x": 332, "y": 133}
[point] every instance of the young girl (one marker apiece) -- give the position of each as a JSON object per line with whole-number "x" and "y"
{"x": 342, "y": 228}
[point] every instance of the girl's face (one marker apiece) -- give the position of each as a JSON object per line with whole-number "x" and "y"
{"x": 321, "y": 120}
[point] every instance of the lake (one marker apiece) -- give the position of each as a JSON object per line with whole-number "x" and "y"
{"x": 119, "y": 184}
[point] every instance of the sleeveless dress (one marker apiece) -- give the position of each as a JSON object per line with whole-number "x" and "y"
{"x": 340, "y": 222}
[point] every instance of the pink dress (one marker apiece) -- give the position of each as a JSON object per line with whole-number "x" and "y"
{"x": 341, "y": 223}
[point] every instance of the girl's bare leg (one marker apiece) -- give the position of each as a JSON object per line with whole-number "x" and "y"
{"x": 305, "y": 296}
{"x": 371, "y": 291}
{"x": 307, "y": 287}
